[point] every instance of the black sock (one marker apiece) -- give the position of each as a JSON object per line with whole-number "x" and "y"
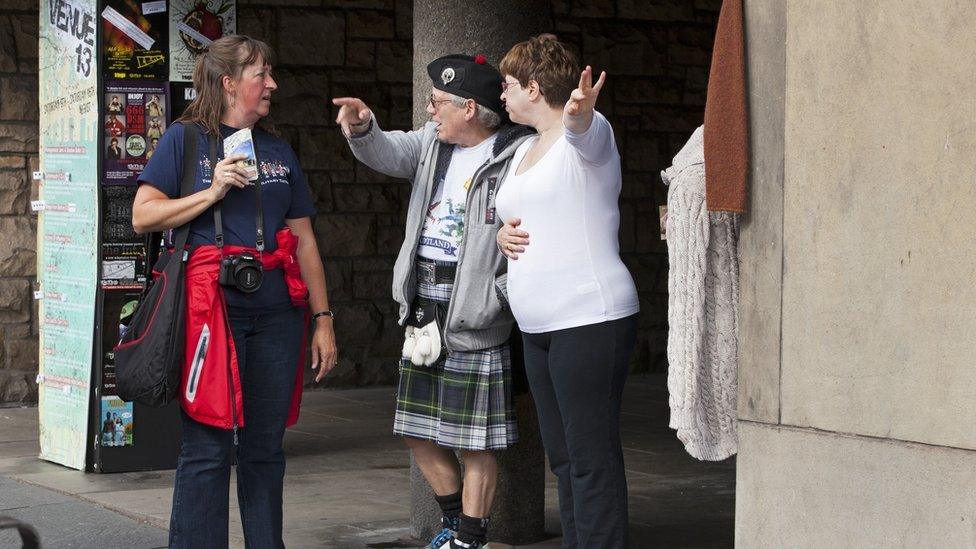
{"x": 450, "y": 507}
{"x": 473, "y": 529}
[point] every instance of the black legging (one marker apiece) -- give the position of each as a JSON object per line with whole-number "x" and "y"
{"x": 577, "y": 378}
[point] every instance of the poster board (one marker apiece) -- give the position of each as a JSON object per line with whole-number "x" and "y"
{"x": 67, "y": 228}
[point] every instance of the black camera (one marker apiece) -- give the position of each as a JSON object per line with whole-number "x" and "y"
{"x": 242, "y": 271}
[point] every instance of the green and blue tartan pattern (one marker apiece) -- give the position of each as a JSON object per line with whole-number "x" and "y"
{"x": 463, "y": 401}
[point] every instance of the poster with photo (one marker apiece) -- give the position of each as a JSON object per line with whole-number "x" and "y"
{"x": 135, "y": 43}
{"x": 116, "y": 422}
{"x": 193, "y": 25}
{"x": 136, "y": 115}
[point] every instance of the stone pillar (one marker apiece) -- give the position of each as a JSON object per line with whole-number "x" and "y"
{"x": 489, "y": 28}
{"x": 486, "y": 27}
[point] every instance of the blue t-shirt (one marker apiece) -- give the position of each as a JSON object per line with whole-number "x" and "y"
{"x": 284, "y": 195}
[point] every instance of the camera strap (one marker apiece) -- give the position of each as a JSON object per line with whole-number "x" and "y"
{"x": 218, "y": 217}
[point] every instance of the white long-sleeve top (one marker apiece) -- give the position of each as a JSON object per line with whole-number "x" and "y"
{"x": 570, "y": 273}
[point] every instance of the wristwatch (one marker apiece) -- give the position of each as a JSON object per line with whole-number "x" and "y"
{"x": 329, "y": 314}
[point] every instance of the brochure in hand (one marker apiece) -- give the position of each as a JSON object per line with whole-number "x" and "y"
{"x": 240, "y": 142}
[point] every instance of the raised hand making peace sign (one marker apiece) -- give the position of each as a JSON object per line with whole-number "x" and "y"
{"x": 583, "y": 98}
{"x": 578, "y": 112}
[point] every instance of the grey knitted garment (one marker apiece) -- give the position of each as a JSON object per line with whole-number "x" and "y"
{"x": 703, "y": 300}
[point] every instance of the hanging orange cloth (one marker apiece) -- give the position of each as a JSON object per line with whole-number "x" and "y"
{"x": 727, "y": 117}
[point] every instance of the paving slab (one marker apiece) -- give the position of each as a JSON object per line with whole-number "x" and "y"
{"x": 64, "y": 521}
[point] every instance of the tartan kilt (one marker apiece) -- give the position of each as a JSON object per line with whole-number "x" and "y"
{"x": 463, "y": 401}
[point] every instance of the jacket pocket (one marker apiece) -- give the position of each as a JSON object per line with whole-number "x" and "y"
{"x": 478, "y": 305}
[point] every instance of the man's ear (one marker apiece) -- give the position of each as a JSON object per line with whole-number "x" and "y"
{"x": 471, "y": 110}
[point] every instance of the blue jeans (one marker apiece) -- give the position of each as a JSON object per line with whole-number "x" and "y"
{"x": 267, "y": 353}
{"x": 577, "y": 379}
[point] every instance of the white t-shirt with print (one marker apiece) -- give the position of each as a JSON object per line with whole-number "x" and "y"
{"x": 444, "y": 222}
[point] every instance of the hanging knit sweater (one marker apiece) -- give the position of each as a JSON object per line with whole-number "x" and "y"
{"x": 703, "y": 293}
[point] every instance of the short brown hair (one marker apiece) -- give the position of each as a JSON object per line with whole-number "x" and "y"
{"x": 225, "y": 56}
{"x": 546, "y": 60}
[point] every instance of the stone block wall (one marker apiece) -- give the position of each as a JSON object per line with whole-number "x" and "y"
{"x": 335, "y": 48}
{"x": 657, "y": 53}
{"x": 18, "y": 158}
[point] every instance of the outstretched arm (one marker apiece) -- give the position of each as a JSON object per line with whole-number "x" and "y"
{"x": 394, "y": 153}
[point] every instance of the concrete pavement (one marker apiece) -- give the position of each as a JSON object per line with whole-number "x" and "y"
{"x": 347, "y": 482}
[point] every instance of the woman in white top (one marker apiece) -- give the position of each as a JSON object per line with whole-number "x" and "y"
{"x": 572, "y": 296}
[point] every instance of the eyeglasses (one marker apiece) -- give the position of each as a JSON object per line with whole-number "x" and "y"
{"x": 435, "y": 102}
{"x": 506, "y": 84}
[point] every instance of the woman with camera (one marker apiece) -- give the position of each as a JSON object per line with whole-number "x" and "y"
{"x": 253, "y": 271}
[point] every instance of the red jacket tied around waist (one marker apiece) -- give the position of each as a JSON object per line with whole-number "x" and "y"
{"x": 211, "y": 384}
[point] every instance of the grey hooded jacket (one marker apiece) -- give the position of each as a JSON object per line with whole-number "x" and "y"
{"x": 477, "y": 316}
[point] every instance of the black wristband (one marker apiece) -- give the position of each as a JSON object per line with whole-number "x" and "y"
{"x": 329, "y": 314}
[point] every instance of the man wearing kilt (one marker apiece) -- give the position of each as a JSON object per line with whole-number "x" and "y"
{"x": 455, "y": 390}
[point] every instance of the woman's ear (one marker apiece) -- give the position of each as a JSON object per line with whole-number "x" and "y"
{"x": 534, "y": 90}
{"x": 230, "y": 90}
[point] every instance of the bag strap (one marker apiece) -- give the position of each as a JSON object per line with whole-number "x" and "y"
{"x": 258, "y": 212}
{"x": 445, "y": 152}
{"x": 190, "y": 135}
{"x": 218, "y": 216}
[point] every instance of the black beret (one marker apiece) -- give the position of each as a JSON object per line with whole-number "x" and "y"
{"x": 468, "y": 77}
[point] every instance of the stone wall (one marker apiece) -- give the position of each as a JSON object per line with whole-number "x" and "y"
{"x": 657, "y": 53}
{"x": 360, "y": 48}
{"x": 18, "y": 157}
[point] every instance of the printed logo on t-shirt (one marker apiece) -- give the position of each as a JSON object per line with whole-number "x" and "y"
{"x": 205, "y": 167}
{"x": 445, "y": 218}
{"x": 444, "y": 224}
{"x": 274, "y": 169}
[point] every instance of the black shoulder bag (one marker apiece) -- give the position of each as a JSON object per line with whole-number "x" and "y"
{"x": 149, "y": 356}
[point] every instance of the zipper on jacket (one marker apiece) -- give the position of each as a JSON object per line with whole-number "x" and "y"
{"x": 230, "y": 387}
{"x": 457, "y": 270}
{"x": 233, "y": 408}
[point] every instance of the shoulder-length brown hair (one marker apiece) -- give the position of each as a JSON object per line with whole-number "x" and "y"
{"x": 226, "y": 56}
{"x": 546, "y": 60}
